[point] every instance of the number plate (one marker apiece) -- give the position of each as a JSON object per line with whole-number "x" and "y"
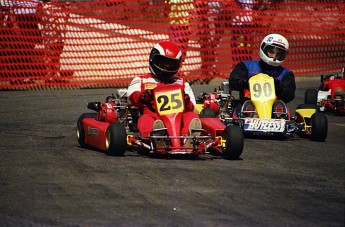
{"x": 261, "y": 87}
{"x": 264, "y": 125}
{"x": 169, "y": 102}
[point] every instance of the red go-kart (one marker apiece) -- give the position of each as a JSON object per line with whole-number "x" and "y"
{"x": 113, "y": 128}
{"x": 330, "y": 97}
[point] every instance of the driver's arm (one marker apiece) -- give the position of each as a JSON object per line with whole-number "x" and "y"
{"x": 190, "y": 101}
{"x": 287, "y": 88}
{"x": 137, "y": 97}
{"x": 238, "y": 77}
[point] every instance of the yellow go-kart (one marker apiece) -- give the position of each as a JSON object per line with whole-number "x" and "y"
{"x": 263, "y": 114}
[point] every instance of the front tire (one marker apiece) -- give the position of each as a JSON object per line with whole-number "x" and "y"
{"x": 234, "y": 142}
{"x": 319, "y": 127}
{"x": 116, "y": 140}
{"x": 80, "y": 128}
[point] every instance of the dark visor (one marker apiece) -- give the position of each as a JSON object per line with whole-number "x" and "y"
{"x": 167, "y": 64}
{"x": 280, "y": 53}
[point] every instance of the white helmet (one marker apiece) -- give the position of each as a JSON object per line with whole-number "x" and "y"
{"x": 274, "y": 44}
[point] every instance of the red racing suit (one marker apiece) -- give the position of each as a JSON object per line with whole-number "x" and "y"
{"x": 138, "y": 96}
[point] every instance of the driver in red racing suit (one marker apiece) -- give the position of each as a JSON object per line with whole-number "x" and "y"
{"x": 273, "y": 51}
{"x": 165, "y": 60}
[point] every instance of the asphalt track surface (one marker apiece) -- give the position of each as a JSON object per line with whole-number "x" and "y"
{"x": 48, "y": 180}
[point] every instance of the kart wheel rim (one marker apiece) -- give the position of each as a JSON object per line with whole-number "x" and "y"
{"x": 107, "y": 140}
{"x": 278, "y": 110}
{"x": 249, "y": 109}
{"x": 78, "y": 131}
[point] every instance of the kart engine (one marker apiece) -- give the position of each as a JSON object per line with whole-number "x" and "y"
{"x": 107, "y": 112}
{"x": 221, "y": 101}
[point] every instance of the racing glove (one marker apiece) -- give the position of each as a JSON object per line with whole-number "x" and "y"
{"x": 186, "y": 99}
{"x": 189, "y": 106}
{"x": 146, "y": 96}
{"x": 243, "y": 84}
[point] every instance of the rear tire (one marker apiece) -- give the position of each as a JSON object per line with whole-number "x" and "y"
{"x": 234, "y": 142}
{"x": 207, "y": 113}
{"x": 310, "y": 96}
{"x": 319, "y": 127}
{"x": 80, "y": 128}
{"x": 116, "y": 140}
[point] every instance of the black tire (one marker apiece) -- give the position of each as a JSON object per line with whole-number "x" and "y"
{"x": 80, "y": 127}
{"x": 234, "y": 142}
{"x": 207, "y": 113}
{"x": 116, "y": 140}
{"x": 310, "y": 96}
{"x": 319, "y": 127}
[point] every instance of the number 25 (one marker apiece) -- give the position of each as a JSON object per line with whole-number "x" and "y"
{"x": 164, "y": 99}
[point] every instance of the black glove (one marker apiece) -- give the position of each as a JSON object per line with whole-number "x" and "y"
{"x": 146, "y": 96}
{"x": 243, "y": 84}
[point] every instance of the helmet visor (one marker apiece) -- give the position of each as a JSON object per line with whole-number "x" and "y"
{"x": 167, "y": 64}
{"x": 275, "y": 52}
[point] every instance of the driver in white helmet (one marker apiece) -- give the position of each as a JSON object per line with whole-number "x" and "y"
{"x": 273, "y": 51}
{"x": 164, "y": 61}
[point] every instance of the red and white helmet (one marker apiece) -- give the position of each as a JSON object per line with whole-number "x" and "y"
{"x": 165, "y": 60}
{"x": 277, "y": 44}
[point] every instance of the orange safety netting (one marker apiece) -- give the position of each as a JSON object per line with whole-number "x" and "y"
{"x": 107, "y": 43}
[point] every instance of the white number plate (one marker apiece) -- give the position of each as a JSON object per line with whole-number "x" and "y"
{"x": 264, "y": 125}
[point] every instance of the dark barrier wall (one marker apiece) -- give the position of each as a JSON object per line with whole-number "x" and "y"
{"x": 107, "y": 43}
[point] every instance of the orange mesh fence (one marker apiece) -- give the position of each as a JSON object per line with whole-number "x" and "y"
{"x": 107, "y": 43}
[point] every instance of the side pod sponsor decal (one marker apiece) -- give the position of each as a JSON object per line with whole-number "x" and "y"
{"x": 264, "y": 125}
{"x": 94, "y": 132}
